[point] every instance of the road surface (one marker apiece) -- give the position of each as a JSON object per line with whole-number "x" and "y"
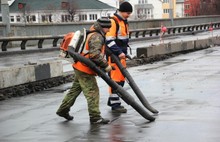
{"x": 185, "y": 89}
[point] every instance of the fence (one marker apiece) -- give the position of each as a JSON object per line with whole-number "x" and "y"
{"x": 134, "y": 34}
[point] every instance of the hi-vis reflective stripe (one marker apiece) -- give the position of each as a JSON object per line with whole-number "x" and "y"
{"x": 119, "y": 37}
{"x": 114, "y": 95}
{"x": 123, "y": 37}
{"x": 110, "y": 38}
{"x": 111, "y": 44}
{"x": 115, "y": 101}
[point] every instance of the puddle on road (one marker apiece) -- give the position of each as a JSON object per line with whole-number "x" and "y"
{"x": 175, "y": 62}
{"x": 209, "y": 51}
{"x": 165, "y": 63}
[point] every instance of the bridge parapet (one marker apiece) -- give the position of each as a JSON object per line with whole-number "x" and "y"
{"x": 173, "y": 29}
{"x": 137, "y": 34}
{"x": 40, "y": 39}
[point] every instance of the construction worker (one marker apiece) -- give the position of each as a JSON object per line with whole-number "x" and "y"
{"x": 84, "y": 80}
{"x": 117, "y": 40}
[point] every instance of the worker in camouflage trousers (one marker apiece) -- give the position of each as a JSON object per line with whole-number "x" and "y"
{"x": 85, "y": 80}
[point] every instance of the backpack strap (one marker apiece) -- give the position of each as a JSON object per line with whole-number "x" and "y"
{"x": 89, "y": 32}
{"x": 117, "y": 26}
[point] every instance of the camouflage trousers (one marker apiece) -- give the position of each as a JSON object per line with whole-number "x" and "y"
{"x": 87, "y": 84}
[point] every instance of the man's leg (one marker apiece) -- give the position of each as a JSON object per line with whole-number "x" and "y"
{"x": 69, "y": 99}
{"x": 114, "y": 100}
{"x": 91, "y": 91}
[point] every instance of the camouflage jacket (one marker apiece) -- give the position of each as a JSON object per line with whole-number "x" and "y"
{"x": 96, "y": 43}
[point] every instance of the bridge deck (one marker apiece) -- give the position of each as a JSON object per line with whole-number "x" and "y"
{"x": 185, "y": 90}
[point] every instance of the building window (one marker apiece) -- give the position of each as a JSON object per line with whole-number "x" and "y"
{"x": 67, "y": 18}
{"x": 166, "y": 1}
{"x": 31, "y": 18}
{"x": 92, "y": 16}
{"x": 187, "y": 6}
{"x": 83, "y": 17}
{"x": 46, "y": 18}
{"x": 142, "y": 1}
{"x": 187, "y": 15}
{"x": 144, "y": 13}
{"x": 166, "y": 10}
{"x": 108, "y": 14}
{"x": 18, "y": 18}
{"x": 0, "y": 18}
{"x": 12, "y": 18}
{"x": 64, "y": 18}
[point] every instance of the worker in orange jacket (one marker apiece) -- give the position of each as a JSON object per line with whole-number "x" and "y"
{"x": 117, "y": 40}
{"x": 84, "y": 79}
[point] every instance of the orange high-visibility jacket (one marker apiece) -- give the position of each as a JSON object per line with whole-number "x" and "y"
{"x": 82, "y": 67}
{"x": 118, "y": 36}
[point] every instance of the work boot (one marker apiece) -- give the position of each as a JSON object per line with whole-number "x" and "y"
{"x": 119, "y": 109}
{"x": 67, "y": 116}
{"x": 99, "y": 121}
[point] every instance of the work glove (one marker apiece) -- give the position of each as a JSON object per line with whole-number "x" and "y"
{"x": 108, "y": 68}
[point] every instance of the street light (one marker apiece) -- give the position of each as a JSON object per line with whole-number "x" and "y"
{"x": 5, "y": 16}
{"x": 171, "y": 12}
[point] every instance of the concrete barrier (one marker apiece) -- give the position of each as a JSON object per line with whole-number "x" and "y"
{"x": 187, "y": 45}
{"x": 17, "y": 75}
{"x": 164, "y": 49}
{"x": 170, "y": 48}
{"x": 26, "y": 79}
{"x": 202, "y": 43}
{"x": 216, "y": 40}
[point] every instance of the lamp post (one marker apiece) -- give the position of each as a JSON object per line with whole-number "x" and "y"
{"x": 5, "y": 16}
{"x": 171, "y": 12}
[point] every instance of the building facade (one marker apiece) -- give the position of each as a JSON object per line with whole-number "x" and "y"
{"x": 154, "y": 9}
{"x": 179, "y": 8}
{"x": 58, "y": 11}
{"x": 169, "y": 9}
{"x": 146, "y": 9}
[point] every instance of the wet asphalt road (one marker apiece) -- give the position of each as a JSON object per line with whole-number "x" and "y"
{"x": 185, "y": 89}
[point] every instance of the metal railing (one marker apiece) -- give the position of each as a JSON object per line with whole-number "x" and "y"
{"x": 24, "y": 40}
{"x": 172, "y": 30}
{"x": 134, "y": 34}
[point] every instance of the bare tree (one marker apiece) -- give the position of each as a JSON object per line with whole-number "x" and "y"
{"x": 210, "y": 7}
{"x": 194, "y": 7}
{"x": 71, "y": 7}
{"x": 216, "y": 6}
{"x": 204, "y": 7}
